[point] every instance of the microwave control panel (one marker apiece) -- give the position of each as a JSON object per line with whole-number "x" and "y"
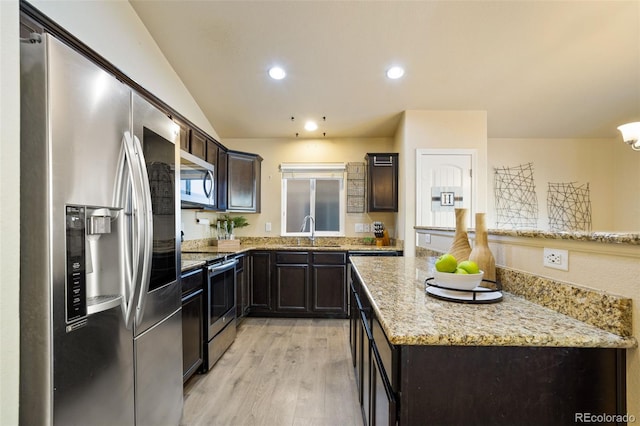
{"x": 76, "y": 285}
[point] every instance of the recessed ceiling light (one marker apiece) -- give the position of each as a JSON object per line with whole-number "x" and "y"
{"x": 395, "y": 72}
{"x": 277, "y": 73}
{"x": 310, "y": 126}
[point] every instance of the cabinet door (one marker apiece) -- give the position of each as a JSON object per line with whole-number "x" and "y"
{"x": 357, "y": 345}
{"x": 292, "y": 285}
{"x": 353, "y": 326}
{"x": 260, "y": 282}
{"x": 383, "y": 402}
{"x": 221, "y": 174}
{"x": 212, "y": 154}
{"x": 329, "y": 290}
{"x": 243, "y": 182}
{"x": 192, "y": 334}
{"x": 382, "y": 182}
{"x": 198, "y": 145}
{"x": 366, "y": 370}
{"x": 242, "y": 287}
{"x": 184, "y": 138}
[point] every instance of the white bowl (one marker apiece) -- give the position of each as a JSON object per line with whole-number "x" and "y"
{"x": 457, "y": 281}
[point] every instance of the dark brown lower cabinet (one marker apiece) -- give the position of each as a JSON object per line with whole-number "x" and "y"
{"x": 329, "y": 283}
{"x": 192, "y": 323}
{"x": 292, "y": 285}
{"x": 242, "y": 286}
{"x": 382, "y": 397}
{"x": 367, "y": 344}
{"x": 480, "y": 385}
{"x": 299, "y": 284}
{"x": 192, "y": 332}
{"x": 260, "y": 289}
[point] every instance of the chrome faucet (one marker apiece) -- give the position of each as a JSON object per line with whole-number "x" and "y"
{"x": 312, "y": 225}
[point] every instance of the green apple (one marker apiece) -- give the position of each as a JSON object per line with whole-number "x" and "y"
{"x": 470, "y": 266}
{"x": 460, "y": 271}
{"x": 446, "y": 263}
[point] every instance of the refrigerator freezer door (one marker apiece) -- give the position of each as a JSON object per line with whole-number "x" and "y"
{"x": 73, "y": 116}
{"x": 93, "y": 371}
{"x": 159, "y": 373}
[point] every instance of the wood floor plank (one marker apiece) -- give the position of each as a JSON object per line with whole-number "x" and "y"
{"x": 278, "y": 372}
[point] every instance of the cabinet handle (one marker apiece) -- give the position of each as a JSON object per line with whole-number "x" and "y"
{"x": 386, "y": 161}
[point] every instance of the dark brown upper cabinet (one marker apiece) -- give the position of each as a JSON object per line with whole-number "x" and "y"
{"x": 184, "y": 137}
{"x": 382, "y": 182}
{"x": 212, "y": 153}
{"x": 221, "y": 174}
{"x": 243, "y": 182}
{"x": 198, "y": 145}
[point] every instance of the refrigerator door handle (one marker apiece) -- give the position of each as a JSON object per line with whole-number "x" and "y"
{"x": 147, "y": 241}
{"x": 128, "y": 190}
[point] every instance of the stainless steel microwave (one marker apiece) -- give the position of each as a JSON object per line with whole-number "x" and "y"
{"x": 197, "y": 182}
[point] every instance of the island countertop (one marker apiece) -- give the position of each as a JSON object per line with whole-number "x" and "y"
{"x": 409, "y": 316}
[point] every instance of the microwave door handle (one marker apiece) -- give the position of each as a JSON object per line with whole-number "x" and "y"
{"x": 147, "y": 226}
{"x": 208, "y": 177}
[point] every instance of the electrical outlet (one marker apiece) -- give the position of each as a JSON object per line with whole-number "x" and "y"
{"x": 366, "y": 227}
{"x": 267, "y": 227}
{"x": 555, "y": 258}
{"x": 359, "y": 227}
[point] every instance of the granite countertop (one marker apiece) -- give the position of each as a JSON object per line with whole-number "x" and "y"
{"x": 205, "y": 254}
{"x": 630, "y": 238}
{"x": 285, "y": 247}
{"x": 396, "y": 287}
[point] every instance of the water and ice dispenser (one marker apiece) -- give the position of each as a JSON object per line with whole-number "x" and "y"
{"x": 94, "y": 265}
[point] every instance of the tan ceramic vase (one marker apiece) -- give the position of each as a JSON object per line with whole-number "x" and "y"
{"x": 481, "y": 254}
{"x": 460, "y": 248}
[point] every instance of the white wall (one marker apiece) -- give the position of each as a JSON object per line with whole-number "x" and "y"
{"x": 9, "y": 211}
{"x": 112, "y": 29}
{"x": 276, "y": 151}
{"x": 437, "y": 130}
{"x": 609, "y": 166}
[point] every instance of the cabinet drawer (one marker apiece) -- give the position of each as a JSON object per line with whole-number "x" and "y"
{"x": 192, "y": 280}
{"x": 292, "y": 257}
{"x": 329, "y": 258}
{"x": 386, "y": 350}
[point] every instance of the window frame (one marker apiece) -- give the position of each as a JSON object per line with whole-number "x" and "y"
{"x": 313, "y": 172}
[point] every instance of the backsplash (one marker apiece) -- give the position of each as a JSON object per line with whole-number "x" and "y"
{"x": 188, "y": 245}
{"x": 605, "y": 311}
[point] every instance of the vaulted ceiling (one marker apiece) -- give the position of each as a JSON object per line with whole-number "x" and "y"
{"x": 541, "y": 69}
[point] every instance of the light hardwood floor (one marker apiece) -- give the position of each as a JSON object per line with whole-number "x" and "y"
{"x": 278, "y": 371}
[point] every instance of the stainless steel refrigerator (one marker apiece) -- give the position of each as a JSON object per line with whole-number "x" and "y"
{"x": 100, "y": 311}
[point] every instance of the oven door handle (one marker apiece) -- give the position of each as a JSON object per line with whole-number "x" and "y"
{"x": 224, "y": 266}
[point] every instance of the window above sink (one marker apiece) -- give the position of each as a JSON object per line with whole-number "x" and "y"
{"x": 313, "y": 199}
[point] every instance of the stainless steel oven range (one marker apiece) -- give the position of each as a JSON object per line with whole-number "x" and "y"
{"x": 220, "y": 310}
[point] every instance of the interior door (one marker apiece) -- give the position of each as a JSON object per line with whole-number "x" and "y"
{"x": 443, "y": 183}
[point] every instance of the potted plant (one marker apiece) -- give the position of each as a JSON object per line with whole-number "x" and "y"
{"x": 232, "y": 223}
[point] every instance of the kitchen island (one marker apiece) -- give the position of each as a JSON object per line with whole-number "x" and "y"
{"x": 423, "y": 360}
